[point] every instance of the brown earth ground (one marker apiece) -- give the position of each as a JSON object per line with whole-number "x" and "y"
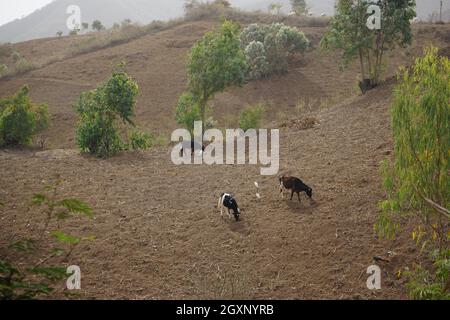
{"x": 158, "y": 234}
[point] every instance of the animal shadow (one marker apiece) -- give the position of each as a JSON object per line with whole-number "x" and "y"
{"x": 307, "y": 206}
{"x": 242, "y": 226}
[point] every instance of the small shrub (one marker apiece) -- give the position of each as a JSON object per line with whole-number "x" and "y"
{"x": 250, "y": 117}
{"x": 41, "y": 117}
{"x": 23, "y": 66}
{"x": 3, "y": 69}
{"x": 141, "y": 140}
{"x": 195, "y": 10}
{"x": 20, "y": 119}
{"x": 16, "y": 56}
{"x": 74, "y": 32}
{"x": 97, "y": 25}
{"x": 431, "y": 285}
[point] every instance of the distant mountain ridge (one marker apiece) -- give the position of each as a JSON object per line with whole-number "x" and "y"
{"x": 47, "y": 21}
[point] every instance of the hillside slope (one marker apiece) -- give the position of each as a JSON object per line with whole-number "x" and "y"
{"x": 160, "y": 240}
{"x": 158, "y": 234}
{"x": 52, "y": 18}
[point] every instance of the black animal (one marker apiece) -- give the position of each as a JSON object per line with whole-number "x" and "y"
{"x": 295, "y": 185}
{"x": 227, "y": 201}
{"x": 191, "y": 146}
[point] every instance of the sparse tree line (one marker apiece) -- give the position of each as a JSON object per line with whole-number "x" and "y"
{"x": 96, "y": 26}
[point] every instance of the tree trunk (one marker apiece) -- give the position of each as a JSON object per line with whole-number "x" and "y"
{"x": 203, "y": 113}
{"x": 361, "y": 60}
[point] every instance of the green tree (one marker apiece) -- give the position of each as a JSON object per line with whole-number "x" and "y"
{"x": 418, "y": 183}
{"x": 97, "y": 25}
{"x": 349, "y": 33}
{"x": 299, "y": 6}
{"x": 85, "y": 26}
{"x": 100, "y": 112}
{"x": 215, "y": 63}
{"x": 59, "y": 34}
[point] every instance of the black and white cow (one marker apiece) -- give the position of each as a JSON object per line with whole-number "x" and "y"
{"x": 227, "y": 201}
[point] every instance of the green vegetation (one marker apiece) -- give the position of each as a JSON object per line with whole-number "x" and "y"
{"x": 102, "y": 110}
{"x": 431, "y": 285}
{"x": 140, "y": 140}
{"x": 215, "y": 63}
{"x": 97, "y": 25}
{"x": 3, "y": 69}
{"x": 250, "y": 117}
{"x": 20, "y": 119}
{"x": 23, "y": 66}
{"x": 33, "y": 280}
{"x": 349, "y": 33}
{"x": 417, "y": 184}
{"x": 16, "y": 56}
{"x": 299, "y": 7}
{"x": 268, "y": 48}
{"x": 275, "y": 8}
{"x": 187, "y": 111}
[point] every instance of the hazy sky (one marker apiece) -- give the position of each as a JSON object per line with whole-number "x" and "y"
{"x": 13, "y": 9}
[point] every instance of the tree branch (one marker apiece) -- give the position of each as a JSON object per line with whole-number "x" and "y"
{"x": 438, "y": 208}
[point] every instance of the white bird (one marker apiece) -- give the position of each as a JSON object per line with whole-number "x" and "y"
{"x": 258, "y": 196}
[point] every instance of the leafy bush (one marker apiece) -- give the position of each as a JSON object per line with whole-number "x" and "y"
{"x": 99, "y": 113}
{"x": 426, "y": 285}
{"x": 418, "y": 183}
{"x": 16, "y": 56}
{"x": 250, "y": 117}
{"x": 97, "y": 25}
{"x": 20, "y": 119}
{"x": 141, "y": 140}
{"x": 23, "y": 66}
{"x": 256, "y": 59}
{"x": 268, "y": 48}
